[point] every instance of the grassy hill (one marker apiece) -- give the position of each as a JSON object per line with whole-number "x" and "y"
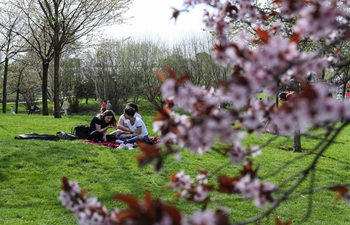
{"x": 31, "y": 172}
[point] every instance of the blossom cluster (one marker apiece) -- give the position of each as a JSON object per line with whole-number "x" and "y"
{"x": 149, "y": 211}
{"x": 186, "y": 188}
{"x": 275, "y": 59}
{"x": 87, "y": 208}
{"x": 247, "y": 184}
{"x": 263, "y": 56}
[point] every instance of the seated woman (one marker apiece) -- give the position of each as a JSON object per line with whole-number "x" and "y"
{"x": 137, "y": 128}
{"x": 100, "y": 124}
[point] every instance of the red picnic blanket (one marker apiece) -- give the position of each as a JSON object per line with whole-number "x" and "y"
{"x": 114, "y": 144}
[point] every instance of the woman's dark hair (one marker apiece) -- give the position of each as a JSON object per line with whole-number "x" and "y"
{"x": 113, "y": 121}
{"x": 129, "y": 111}
{"x": 132, "y": 105}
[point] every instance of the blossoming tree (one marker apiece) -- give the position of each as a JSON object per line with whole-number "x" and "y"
{"x": 262, "y": 56}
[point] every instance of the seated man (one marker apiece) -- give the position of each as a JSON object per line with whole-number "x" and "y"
{"x": 138, "y": 130}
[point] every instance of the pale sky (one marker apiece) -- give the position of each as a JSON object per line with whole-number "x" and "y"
{"x": 152, "y": 19}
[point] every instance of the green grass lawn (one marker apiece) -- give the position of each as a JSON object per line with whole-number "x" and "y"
{"x": 31, "y": 172}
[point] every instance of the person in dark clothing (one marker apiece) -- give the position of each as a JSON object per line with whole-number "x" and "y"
{"x": 100, "y": 124}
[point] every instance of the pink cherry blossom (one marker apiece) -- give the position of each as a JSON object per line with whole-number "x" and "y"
{"x": 203, "y": 218}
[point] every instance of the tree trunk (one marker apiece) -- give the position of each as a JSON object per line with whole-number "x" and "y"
{"x": 4, "y": 87}
{"x": 277, "y": 93}
{"x": 44, "y": 87}
{"x": 56, "y": 89}
{"x": 17, "y": 92}
{"x": 56, "y": 65}
{"x": 297, "y": 141}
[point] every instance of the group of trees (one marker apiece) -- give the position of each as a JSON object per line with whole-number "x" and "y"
{"x": 120, "y": 70}
{"x": 109, "y": 69}
{"x": 45, "y": 29}
{"x": 106, "y": 69}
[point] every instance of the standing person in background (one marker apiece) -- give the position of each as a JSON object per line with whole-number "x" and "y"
{"x": 339, "y": 96}
{"x": 347, "y": 95}
{"x": 13, "y": 110}
{"x": 65, "y": 107}
{"x": 109, "y": 105}
{"x": 103, "y": 106}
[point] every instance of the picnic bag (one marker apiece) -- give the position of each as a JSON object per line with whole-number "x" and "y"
{"x": 82, "y": 131}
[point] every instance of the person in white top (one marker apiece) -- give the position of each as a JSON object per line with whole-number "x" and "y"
{"x": 122, "y": 122}
{"x": 137, "y": 130}
{"x": 109, "y": 105}
{"x": 339, "y": 96}
{"x": 13, "y": 110}
{"x": 65, "y": 107}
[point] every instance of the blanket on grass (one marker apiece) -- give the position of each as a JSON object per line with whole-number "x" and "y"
{"x": 113, "y": 144}
{"x": 63, "y": 136}
{"x": 48, "y": 137}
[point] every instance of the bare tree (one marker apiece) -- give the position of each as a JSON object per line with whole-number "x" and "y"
{"x": 54, "y": 24}
{"x": 11, "y": 45}
{"x": 24, "y": 79}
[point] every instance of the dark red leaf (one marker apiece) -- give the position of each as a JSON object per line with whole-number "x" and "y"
{"x": 149, "y": 206}
{"x": 170, "y": 72}
{"x": 174, "y": 213}
{"x": 162, "y": 114}
{"x": 226, "y": 183}
{"x": 308, "y": 92}
{"x": 263, "y": 35}
{"x": 341, "y": 190}
{"x": 176, "y": 13}
{"x": 347, "y": 34}
{"x": 126, "y": 214}
{"x": 279, "y": 222}
{"x": 128, "y": 199}
{"x": 160, "y": 76}
{"x": 221, "y": 218}
{"x": 149, "y": 150}
{"x": 158, "y": 165}
{"x": 83, "y": 193}
{"x": 65, "y": 184}
{"x": 295, "y": 38}
{"x": 148, "y": 153}
{"x": 173, "y": 177}
{"x": 183, "y": 79}
{"x": 256, "y": 41}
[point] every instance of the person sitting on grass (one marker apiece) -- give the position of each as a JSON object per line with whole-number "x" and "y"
{"x": 137, "y": 128}
{"x": 100, "y": 124}
{"x": 122, "y": 122}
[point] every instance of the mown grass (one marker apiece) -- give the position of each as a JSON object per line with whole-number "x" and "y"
{"x": 31, "y": 172}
